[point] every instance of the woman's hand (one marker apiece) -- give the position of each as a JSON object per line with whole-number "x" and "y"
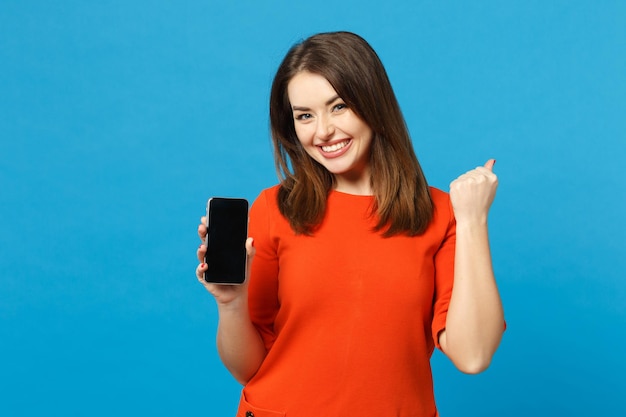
{"x": 472, "y": 193}
{"x": 224, "y": 294}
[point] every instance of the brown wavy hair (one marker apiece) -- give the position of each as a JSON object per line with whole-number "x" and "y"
{"x": 402, "y": 198}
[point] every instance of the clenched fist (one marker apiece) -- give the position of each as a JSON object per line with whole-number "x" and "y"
{"x": 472, "y": 193}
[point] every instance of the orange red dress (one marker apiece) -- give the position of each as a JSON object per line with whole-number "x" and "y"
{"x": 350, "y": 318}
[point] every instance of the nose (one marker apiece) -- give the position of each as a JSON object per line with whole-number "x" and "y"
{"x": 325, "y": 128}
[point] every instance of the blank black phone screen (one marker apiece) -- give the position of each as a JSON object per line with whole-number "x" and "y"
{"x": 227, "y": 231}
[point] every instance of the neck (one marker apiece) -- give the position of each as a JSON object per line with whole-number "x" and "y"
{"x": 353, "y": 187}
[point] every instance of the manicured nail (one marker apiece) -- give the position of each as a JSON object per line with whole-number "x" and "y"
{"x": 202, "y": 265}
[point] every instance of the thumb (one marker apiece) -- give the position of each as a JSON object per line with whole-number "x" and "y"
{"x": 250, "y": 246}
{"x": 250, "y": 249}
{"x": 489, "y": 164}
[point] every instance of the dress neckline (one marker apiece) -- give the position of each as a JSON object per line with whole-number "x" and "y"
{"x": 343, "y": 193}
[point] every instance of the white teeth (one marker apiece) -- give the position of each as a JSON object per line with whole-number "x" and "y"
{"x": 335, "y": 147}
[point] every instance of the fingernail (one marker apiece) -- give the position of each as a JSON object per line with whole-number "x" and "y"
{"x": 202, "y": 265}
{"x": 494, "y": 161}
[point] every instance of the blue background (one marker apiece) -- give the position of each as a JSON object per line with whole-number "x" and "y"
{"x": 119, "y": 119}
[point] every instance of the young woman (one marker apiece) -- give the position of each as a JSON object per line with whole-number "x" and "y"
{"x": 353, "y": 256}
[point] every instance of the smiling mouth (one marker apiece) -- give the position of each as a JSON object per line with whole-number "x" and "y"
{"x": 335, "y": 147}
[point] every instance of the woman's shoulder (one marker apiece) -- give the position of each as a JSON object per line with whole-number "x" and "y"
{"x": 439, "y": 196}
{"x": 269, "y": 193}
{"x": 443, "y": 212}
{"x": 267, "y": 198}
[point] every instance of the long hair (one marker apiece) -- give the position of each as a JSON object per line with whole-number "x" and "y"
{"x": 402, "y": 198}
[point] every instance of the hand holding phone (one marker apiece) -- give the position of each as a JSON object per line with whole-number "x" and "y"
{"x": 227, "y": 231}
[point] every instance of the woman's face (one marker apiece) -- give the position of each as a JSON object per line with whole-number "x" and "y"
{"x": 330, "y": 132}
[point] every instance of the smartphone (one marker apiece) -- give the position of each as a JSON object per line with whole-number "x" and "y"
{"x": 227, "y": 231}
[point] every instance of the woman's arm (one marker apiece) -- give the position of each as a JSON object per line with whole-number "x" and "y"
{"x": 238, "y": 342}
{"x": 475, "y": 320}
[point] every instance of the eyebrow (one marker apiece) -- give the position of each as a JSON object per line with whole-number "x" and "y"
{"x": 328, "y": 103}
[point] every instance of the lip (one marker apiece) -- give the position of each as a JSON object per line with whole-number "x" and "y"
{"x": 336, "y": 154}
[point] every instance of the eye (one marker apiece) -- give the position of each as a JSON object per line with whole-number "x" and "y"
{"x": 339, "y": 106}
{"x": 303, "y": 116}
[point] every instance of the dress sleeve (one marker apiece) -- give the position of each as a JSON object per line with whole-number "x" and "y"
{"x": 444, "y": 270}
{"x": 263, "y": 287}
